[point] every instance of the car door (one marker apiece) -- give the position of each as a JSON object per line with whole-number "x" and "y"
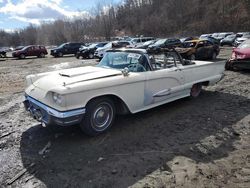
{"x": 201, "y": 51}
{"x": 66, "y": 49}
{"x": 30, "y": 51}
{"x": 165, "y": 82}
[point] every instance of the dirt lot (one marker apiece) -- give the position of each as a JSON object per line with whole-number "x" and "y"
{"x": 203, "y": 142}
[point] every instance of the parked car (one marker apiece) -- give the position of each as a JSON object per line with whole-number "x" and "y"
{"x": 99, "y": 53}
{"x": 31, "y": 50}
{"x": 229, "y": 40}
{"x": 240, "y": 57}
{"x": 223, "y": 35}
{"x": 166, "y": 43}
{"x": 145, "y": 45}
{"x": 89, "y": 51}
{"x": 199, "y": 49}
{"x": 91, "y": 96}
{"x": 240, "y": 40}
{"x": 141, "y": 40}
{"x": 211, "y": 39}
{"x": 240, "y": 34}
{"x": 2, "y": 53}
{"x": 66, "y": 49}
{"x": 204, "y": 36}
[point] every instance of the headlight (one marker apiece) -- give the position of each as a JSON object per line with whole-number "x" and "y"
{"x": 57, "y": 98}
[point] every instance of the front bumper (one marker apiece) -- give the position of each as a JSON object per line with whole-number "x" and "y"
{"x": 48, "y": 115}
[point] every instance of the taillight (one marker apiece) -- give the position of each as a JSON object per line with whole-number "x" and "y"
{"x": 233, "y": 55}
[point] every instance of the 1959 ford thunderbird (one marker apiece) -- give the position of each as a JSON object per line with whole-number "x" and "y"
{"x": 125, "y": 81}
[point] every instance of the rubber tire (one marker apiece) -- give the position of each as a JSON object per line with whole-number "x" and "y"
{"x": 60, "y": 54}
{"x": 192, "y": 57}
{"x": 91, "y": 56}
{"x": 42, "y": 55}
{"x": 214, "y": 55}
{"x": 195, "y": 94}
{"x": 228, "y": 66}
{"x": 21, "y": 56}
{"x": 86, "y": 124}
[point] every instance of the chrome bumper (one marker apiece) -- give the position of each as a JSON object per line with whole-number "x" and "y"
{"x": 48, "y": 115}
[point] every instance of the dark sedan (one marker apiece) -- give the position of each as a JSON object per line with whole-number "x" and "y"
{"x": 89, "y": 51}
{"x": 166, "y": 43}
{"x": 229, "y": 40}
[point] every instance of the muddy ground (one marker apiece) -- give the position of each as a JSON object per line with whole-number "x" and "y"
{"x": 203, "y": 142}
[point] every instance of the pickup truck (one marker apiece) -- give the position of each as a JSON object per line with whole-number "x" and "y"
{"x": 125, "y": 81}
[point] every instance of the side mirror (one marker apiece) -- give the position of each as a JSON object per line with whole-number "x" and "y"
{"x": 125, "y": 72}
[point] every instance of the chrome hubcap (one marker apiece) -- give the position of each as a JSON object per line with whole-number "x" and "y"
{"x": 102, "y": 116}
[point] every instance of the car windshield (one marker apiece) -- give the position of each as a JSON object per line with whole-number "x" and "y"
{"x": 109, "y": 45}
{"x": 120, "y": 60}
{"x": 62, "y": 45}
{"x": 215, "y": 35}
{"x": 245, "y": 44}
{"x": 161, "y": 41}
{"x": 189, "y": 44}
{"x": 222, "y": 35}
{"x": 149, "y": 42}
{"x": 92, "y": 45}
{"x": 230, "y": 36}
{"x": 25, "y": 48}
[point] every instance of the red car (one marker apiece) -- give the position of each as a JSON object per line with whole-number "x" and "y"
{"x": 32, "y": 50}
{"x": 240, "y": 57}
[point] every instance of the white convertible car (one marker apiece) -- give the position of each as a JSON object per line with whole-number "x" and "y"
{"x": 125, "y": 81}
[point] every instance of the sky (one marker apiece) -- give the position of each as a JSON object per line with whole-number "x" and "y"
{"x": 16, "y": 14}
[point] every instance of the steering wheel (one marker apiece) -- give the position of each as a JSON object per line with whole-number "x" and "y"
{"x": 136, "y": 68}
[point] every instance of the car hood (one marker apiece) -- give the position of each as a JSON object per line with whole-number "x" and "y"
{"x": 183, "y": 50}
{"x": 242, "y": 39}
{"x": 68, "y": 77}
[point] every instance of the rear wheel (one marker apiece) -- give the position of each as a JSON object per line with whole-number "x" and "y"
{"x": 42, "y": 55}
{"x": 195, "y": 90}
{"x": 99, "y": 117}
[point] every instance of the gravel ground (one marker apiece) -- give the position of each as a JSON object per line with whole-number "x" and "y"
{"x": 203, "y": 142}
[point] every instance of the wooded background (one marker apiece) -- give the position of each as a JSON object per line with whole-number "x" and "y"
{"x": 158, "y": 18}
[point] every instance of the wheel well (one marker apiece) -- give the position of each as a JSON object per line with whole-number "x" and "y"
{"x": 121, "y": 107}
{"x": 206, "y": 83}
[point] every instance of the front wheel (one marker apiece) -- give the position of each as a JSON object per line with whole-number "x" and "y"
{"x": 195, "y": 90}
{"x": 192, "y": 57}
{"x": 60, "y": 54}
{"x": 214, "y": 55}
{"x": 22, "y": 56}
{"x": 99, "y": 117}
{"x": 42, "y": 55}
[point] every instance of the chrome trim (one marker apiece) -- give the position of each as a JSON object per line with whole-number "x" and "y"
{"x": 56, "y": 113}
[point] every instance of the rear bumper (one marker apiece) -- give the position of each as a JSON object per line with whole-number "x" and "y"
{"x": 242, "y": 63}
{"x": 48, "y": 115}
